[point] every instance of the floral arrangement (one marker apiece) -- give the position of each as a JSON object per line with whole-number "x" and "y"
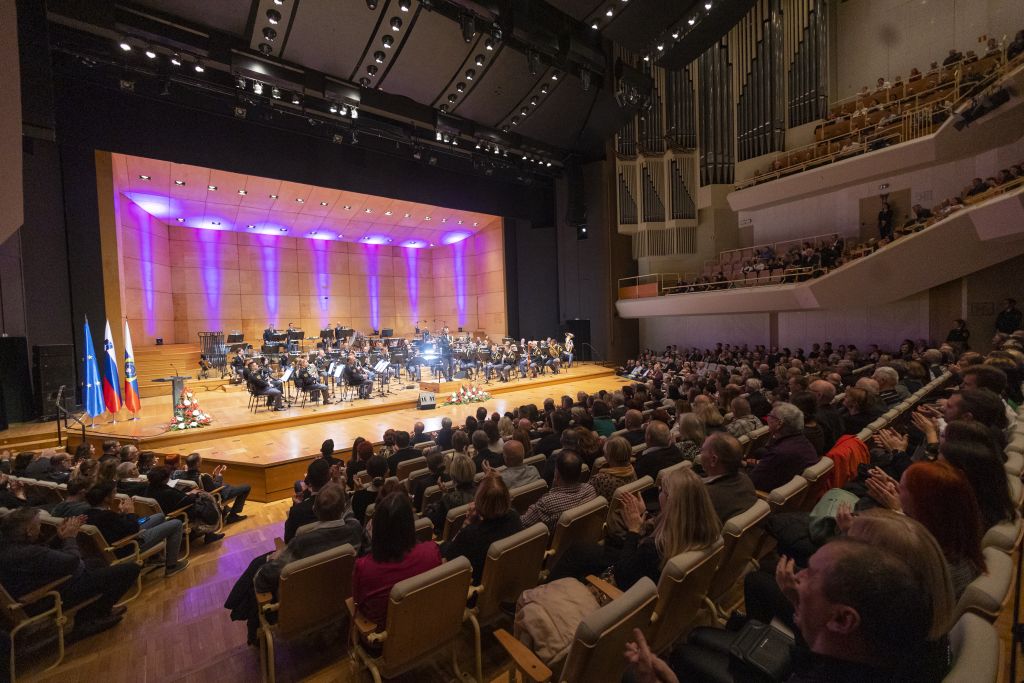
{"x": 471, "y": 395}
{"x": 188, "y": 414}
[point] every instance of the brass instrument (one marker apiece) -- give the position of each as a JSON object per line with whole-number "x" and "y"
{"x": 555, "y": 351}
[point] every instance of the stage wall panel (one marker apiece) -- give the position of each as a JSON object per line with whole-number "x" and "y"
{"x": 178, "y": 281}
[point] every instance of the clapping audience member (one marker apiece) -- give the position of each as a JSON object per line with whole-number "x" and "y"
{"x": 233, "y": 494}
{"x": 462, "y": 473}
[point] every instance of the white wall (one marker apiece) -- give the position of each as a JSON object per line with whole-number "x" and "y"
{"x": 704, "y": 331}
{"x": 889, "y": 37}
{"x": 839, "y": 211}
{"x": 886, "y": 325}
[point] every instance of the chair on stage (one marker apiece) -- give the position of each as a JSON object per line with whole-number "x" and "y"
{"x": 254, "y": 398}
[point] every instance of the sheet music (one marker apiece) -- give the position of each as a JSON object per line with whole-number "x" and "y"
{"x": 340, "y": 369}
{"x": 287, "y": 375}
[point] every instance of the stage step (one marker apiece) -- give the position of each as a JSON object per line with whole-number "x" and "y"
{"x": 29, "y": 442}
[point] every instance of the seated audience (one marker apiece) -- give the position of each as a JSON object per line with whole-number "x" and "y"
{"x": 462, "y": 473}
{"x": 743, "y": 422}
{"x": 377, "y": 467}
{"x": 516, "y": 473}
{"x": 483, "y": 452}
{"x": 660, "y": 452}
{"x": 567, "y": 492}
{"x": 203, "y": 517}
{"x": 617, "y": 470}
{"x": 235, "y": 495}
{"x": 491, "y": 518}
{"x": 730, "y": 489}
{"x": 403, "y": 451}
{"x": 788, "y": 452}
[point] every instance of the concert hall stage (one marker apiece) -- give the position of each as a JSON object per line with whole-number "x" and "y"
{"x": 269, "y": 450}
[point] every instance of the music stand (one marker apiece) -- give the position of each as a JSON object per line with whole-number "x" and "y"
{"x": 284, "y": 381}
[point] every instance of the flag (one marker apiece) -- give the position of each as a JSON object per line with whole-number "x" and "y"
{"x": 93, "y": 390}
{"x": 111, "y": 378}
{"x": 131, "y": 381}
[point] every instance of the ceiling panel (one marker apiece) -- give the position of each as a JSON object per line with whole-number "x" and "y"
{"x": 435, "y": 40}
{"x": 230, "y": 16}
{"x": 504, "y": 85}
{"x": 560, "y": 114}
{"x": 330, "y": 35}
{"x": 581, "y": 9}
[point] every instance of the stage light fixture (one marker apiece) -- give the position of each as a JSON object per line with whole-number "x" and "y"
{"x": 594, "y": 26}
{"x": 273, "y": 196}
{"x": 354, "y": 112}
{"x": 296, "y": 100}
{"x": 480, "y": 60}
{"x": 460, "y": 87}
{"x": 372, "y": 70}
{"x": 242, "y": 192}
{"x": 257, "y": 87}
{"x": 691, "y": 21}
{"x": 275, "y": 93}
{"x": 396, "y": 24}
{"x": 176, "y": 59}
{"x": 334, "y": 108}
{"x": 371, "y": 5}
{"x": 489, "y": 44}
{"x": 265, "y": 49}
{"x": 199, "y": 67}
{"x": 610, "y": 12}
{"x": 211, "y": 188}
{"x": 555, "y": 75}
{"x": 404, "y": 5}
{"x": 125, "y": 45}
{"x": 273, "y": 16}
{"x": 388, "y": 41}
{"x": 179, "y": 182}
{"x": 181, "y": 220}
{"x": 378, "y": 57}
{"x": 300, "y": 200}
{"x": 269, "y": 34}
{"x": 150, "y": 53}
{"x": 470, "y": 74}
{"x": 323, "y": 203}
{"x": 468, "y": 25}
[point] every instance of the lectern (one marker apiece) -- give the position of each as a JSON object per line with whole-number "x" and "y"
{"x": 177, "y": 385}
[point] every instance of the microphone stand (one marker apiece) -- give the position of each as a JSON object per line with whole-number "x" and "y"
{"x": 66, "y": 414}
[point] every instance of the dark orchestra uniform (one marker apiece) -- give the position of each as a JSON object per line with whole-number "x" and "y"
{"x": 354, "y": 377}
{"x": 307, "y": 379}
{"x": 261, "y": 386}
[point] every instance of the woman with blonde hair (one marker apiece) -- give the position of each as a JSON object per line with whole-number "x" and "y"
{"x": 505, "y": 428}
{"x": 687, "y": 521}
{"x": 710, "y": 415}
{"x": 462, "y": 472}
{"x": 617, "y": 470}
{"x": 689, "y": 433}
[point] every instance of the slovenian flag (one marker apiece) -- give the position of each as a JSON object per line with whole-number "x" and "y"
{"x": 93, "y": 389}
{"x": 131, "y": 381}
{"x": 111, "y": 377}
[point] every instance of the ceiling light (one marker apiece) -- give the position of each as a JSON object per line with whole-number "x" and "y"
{"x": 549, "y": 163}
{"x": 396, "y": 24}
{"x": 544, "y": 90}
{"x": 470, "y": 73}
{"x": 283, "y": 229}
{"x": 488, "y": 44}
{"x": 265, "y": 49}
{"x": 269, "y": 34}
{"x": 407, "y": 215}
{"x": 296, "y": 100}
{"x": 388, "y": 41}
{"x": 675, "y": 35}
{"x": 143, "y": 177}
{"x": 275, "y": 93}
{"x": 475, "y": 224}
{"x": 300, "y": 200}
{"x": 251, "y": 226}
{"x": 257, "y": 87}
{"x": 273, "y": 16}
{"x": 273, "y": 196}
{"x": 610, "y": 12}
{"x": 707, "y": 6}
{"x": 181, "y": 220}
{"x": 176, "y": 59}
{"x": 125, "y": 45}
{"x": 211, "y": 188}
{"x": 452, "y": 98}
{"x": 367, "y": 210}
{"x": 647, "y": 58}
{"x": 365, "y": 82}
{"x": 691, "y": 21}
{"x": 524, "y": 111}
{"x": 355, "y": 112}
{"x": 313, "y": 232}
{"x": 554, "y": 76}
{"x": 334, "y": 108}
{"x": 242, "y": 192}
{"x": 524, "y": 157}
{"x": 199, "y": 67}
{"x": 347, "y": 207}
{"x": 150, "y": 53}
{"x": 278, "y": 2}
{"x": 431, "y": 244}
{"x": 594, "y": 26}
{"x": 460, "y": 87}
{"x": 378, "y": 57}
{"x": 460, "y": 222}
{"x": 444, "y": 220}
{"x": 660, "y": 47}
{"x": 515, "y": 120}
{"x": 372, "y": 70}
{"x": 179, "y": 182}
{"x": 323, "y": 203}
{"x": 404, "y": 5}
{"x": 480, "y": 60}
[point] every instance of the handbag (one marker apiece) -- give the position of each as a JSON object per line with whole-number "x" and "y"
{"x": 763, "y": 649}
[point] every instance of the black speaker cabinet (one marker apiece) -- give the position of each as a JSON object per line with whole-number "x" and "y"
{"x": 581, "y": 339}
{"x": 52, "y": 367}
{"x": 14, "y": 380}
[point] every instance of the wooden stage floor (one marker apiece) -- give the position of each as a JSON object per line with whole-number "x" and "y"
{"x": 269, "y": 450}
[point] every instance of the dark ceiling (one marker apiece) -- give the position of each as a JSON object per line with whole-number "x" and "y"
{"x": 542, "y": 75}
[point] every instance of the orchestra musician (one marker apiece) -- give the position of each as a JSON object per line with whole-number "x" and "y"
{"x": 567, "y": 350}
{"x": 355, "y": 377}
{"x": 204, "y": 367}
{"x": 444, "y": 348}
{"x": 554, "y": 359}
{"x": 308, "y": 379}
{"x": 269, "y": 334}
{"x": 412, "y": 362}
{"x": 261, "y": 385}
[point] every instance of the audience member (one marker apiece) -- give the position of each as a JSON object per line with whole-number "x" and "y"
{"x": 491, "y": 518}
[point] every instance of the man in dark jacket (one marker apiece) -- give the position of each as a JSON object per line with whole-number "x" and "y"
{"x": 788, "y": 453}
{"x": 827, "y": 417}
{"x": 731, "y": 490}
{"x": 171, "y": 499}
{"x": 660, "y": 452}
{"x": 235, "y": 495}
{"x": 443, "y": 438}
{"x": 481, "y": 444}
{"x": 634, "y": 433}
{"x": 318, "y": 475}
{"x": 27, "y": 565}
{"x": 404, "y": 452}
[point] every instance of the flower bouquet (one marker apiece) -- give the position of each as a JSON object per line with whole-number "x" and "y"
{"x": 471, "y": 395}
{"x": 188, "y": 414}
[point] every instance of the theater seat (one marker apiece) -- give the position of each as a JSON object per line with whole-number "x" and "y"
{"x": 742, "y": 535}
{"x": 987, "y": 594}
{"x": 975, "y": 647}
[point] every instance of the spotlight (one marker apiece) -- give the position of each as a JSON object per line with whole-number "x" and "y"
{"x": 460, "y": 222}
{"x": 468, "y": 24}
{"x": 524, "y": 157}
{"x": 594, "y": 26}
{"x": 610, "y": 12}
{"x": 707, "y": 6}
{"x": 480, "y": 60}
{"x": 488, "y": 44}
{"x": 215, "y": 222}
{"x": 661, "y": 47}
{"x": 343, "y": 111}
{"x": 251, "y": 226}
{"x": 273, "y": 196}
{"x": 452, "y": 98}
{"x": 334, "y": 108}
{"x": 470, "y": 74}
{"x": 176, "y": 59}
{"x": 265, "y": 49}
{"x": 275, "y": 93}
{"x": 278, "y": 2}
{"x": 125, "y": 45}
{"x": 407, "y": 215}
{"x": 515, "y": 120}
{"x": 240, "y": 82}
{"x": 444, "y": 220}
{"x": 544, "y": 90}
{"x": 460, "y": 87}
{"x": 367, "y": 210}
{"x": 199, "y": 67}
{"x": 372, "y": 70}
{"x": 364, "y": 81}
{"x": 496, "y": 32}
{"x": 524, "y": 111}
{"x": 371, "y": 5}
{"x": 240, "y": 112}
{"x": 300, "y": 200}
{"x": 211, "y": 188}
{"x": 347, "y": 207}
{"x": 396, "y": 24}
{"x": 404, "y": 5}
{"x": 181, "y": 220}
{"x": 296, "y": 100}
{"x": 143, "y": 177}
{"x": 378, "y": 57}
{"x": 269, "y": 34}
{"x": 555, "y": 75}
{"x": 283, "y": 229}
{"x": 388, "y": 213}
{"x": 426, "y": 218}
{"x": 549, "y": 163}
{"x": 691, "y": 21}
{"x": 273, "y": 16}
{"x": 438, "y": 136}
{"x": 323, "y": 203}
{"x": 355, "y": 112}
{"x": 150, "y": 53}
{"x": 647, "y": 58}
{"x": 534, "y": 100}
{"x": 675, "y": 34}
{"x": 257, "y": 87}
{"x": 179, "y": 182}
{"x": 243, "y": 192}
{"x": 478, "y": 145}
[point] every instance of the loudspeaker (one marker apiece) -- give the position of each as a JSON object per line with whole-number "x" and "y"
{"x": 576, "y": 204}
{"x": 52, "y": 366}
{"x": 14, "y": 380}
{"x": 581, "y": 337}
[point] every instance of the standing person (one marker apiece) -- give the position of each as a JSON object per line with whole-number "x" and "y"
{"x": 885, "y": 222}
{"x": 1009, "y": 319}
{"x": 959, "y": 336}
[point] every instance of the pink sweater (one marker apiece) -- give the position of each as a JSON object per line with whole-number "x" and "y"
{"x": 372, "y": 580}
